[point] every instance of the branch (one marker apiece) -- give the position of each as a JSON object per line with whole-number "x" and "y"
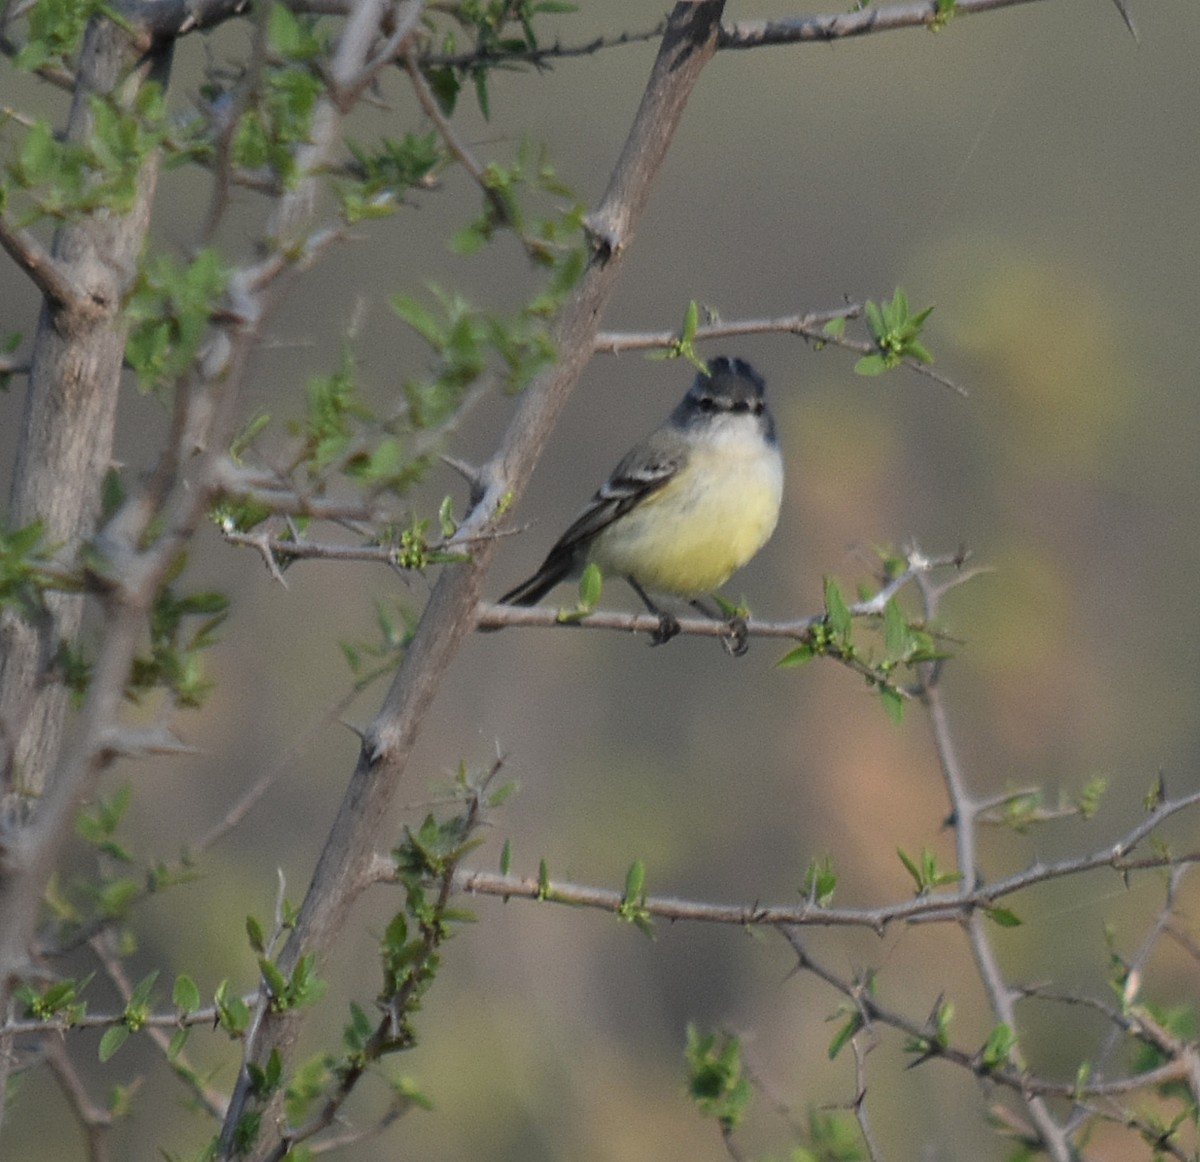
{"x": 951, "y": 907}
{"x": 541, "y": 55}
{"x": 466, "y": 159}
{"x": 860, "y": 1096}
{"x": 1018, "y": 1080}
{"x": 449, "y": 616}
{"x": 494, "y": 616}
{"x": 809, "y": 325}
{"x": 64, "y": 451}
{"x": 49, "y": 275}
{"x": 965, "y": 811}
{"x": 842, "y": 25}
{"x": 94, "y": 1120}
{"x": 211, "y": 1100}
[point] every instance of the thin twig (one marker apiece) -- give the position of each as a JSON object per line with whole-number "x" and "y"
{"x": 94, "y": 1120}
{"x": 429, "y": 104}
{"x": 965, "y": 810}
{"x": 211, "y": 1100}
{"x": 860, "y": 1051}
{"x": 751, "y": 34}
{"x": 540, "y": 56}
{"x": 810, "y": 325}
{"x": 226, "y": 118}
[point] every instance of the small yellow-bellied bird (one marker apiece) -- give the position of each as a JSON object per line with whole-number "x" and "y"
{"x": 694, "y": 501}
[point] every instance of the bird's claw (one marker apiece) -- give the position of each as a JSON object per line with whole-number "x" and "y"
{"x": 668, "y": 627}
{"x": 737, "y": 638}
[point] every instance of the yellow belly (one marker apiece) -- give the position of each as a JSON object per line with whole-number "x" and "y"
{"x": 689, "y": 537}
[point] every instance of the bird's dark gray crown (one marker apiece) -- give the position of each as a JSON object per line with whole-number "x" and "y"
{"x": 728, "y": 386}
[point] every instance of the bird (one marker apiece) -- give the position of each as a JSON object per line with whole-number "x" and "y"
{"x": 687, "y": 506}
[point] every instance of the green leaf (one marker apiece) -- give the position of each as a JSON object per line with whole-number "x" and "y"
{"x": 446, "y": 86}
{"x": 875, "y": 323}
{"x": 911, "y": 868}
{"x": 420, "y": 318}
{"x": 140, "y": 997}
{"x": 469, "y": 240}
{"x": 635, "y": 881}
{"x": 185, "y": 995}
{"x": 845, "y": 1034}
{"x": 284, "y": 32}
{"x": 715, "y": 1078}
{"x": 1090, "y": 796}
{"x": 232, "y": 1012}
{"x": 837, "y": 611}
{"x": 870, "y": 365}
{"x": 893, "y": 703}
{"x": 179, "y": 1039}
{"x": 895, "y": 630}
{"x": 112, "y": 1040}
{"x": 38, "y": 157}
{"x": 1000, "y": 1043}
{"x": 691, "y": 320}
{"x": 819, "y": 882}
{"x": 797, "y": 657}
{"x": 591, "y": 582}
{"x": 258, "y": 942}
{"x": 275, "y": 980}
{"x": 1004, "y": 917}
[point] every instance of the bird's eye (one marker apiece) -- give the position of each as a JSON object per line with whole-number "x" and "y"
{"x": 706, "y": 403}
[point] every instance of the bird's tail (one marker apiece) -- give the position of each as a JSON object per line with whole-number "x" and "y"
{"x": 531, "y": 591}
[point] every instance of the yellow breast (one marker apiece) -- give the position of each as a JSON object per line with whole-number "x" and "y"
{"x": 688, "y": 538}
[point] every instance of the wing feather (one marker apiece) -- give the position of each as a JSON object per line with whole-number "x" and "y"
{"x": 631, "y": 482}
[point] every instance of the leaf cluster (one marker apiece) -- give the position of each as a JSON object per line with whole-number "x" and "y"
{"x": 173, "y": 661}
{"x": 26, "y": 570}
{"x": 716, "y": 1081}
{"x": 904, "y": 643}
{"x": 169, "y": 311}
{"x": 487, "y": 28}
{"x": 49, "y": 177}
{"x": 895, "y": 333}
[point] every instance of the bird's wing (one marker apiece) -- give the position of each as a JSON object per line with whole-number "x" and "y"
{"x": 635, "y": 478}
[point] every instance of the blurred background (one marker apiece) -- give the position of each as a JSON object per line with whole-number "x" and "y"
{"x": 1031, "y": 173}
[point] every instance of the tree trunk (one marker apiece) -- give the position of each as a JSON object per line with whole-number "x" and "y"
{"x": 68, "y": 422}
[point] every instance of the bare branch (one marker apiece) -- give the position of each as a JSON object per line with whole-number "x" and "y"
{"x": 50, "y": 276}
{"x": 860, "y": 1051}
{"x": 94, "y": 1120}
{"x": 842, "y": 25}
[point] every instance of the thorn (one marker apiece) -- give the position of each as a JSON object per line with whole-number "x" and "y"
{"x": 1127, "y": 16}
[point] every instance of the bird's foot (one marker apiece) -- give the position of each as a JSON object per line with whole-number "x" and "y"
{"x": 736, "y": 639}
{"x": 668, "y": 627}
